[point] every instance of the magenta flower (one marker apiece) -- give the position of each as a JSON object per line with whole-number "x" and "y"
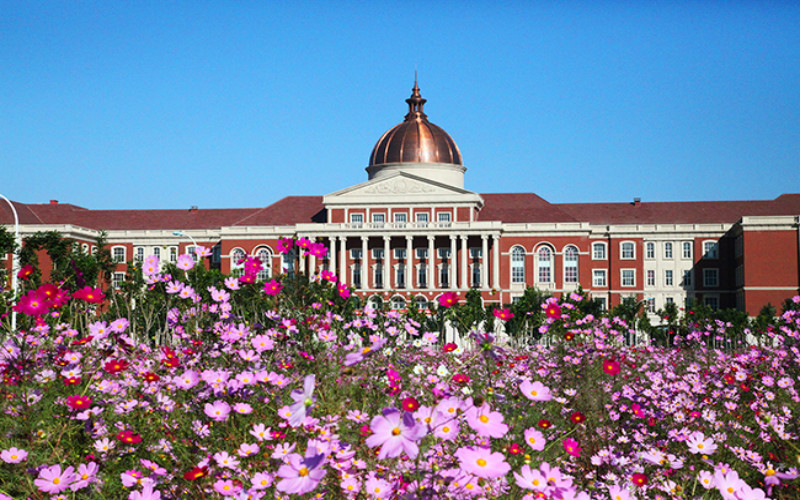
{"x": 13, "y": 455}
{"x": 395, "y": 432}
{"x": 53, "y": 480}
{"x": 303, "y": 400}
{"x": 485, "y": 422}
{"x": 284, "y": 245}
{"x": 218, "y": 410}
{"x": 301, "y": 475}
{"x": 273, "y": 287}
{"x": 482, "y": 462}
{"x": 571, "y": 447}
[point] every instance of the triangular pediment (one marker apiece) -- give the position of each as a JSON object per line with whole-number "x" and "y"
{"x": 401, "y": 187}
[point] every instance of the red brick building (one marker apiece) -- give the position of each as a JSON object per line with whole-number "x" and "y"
{"x": 411, "y": 232}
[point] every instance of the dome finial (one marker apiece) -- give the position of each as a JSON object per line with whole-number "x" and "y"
{"x": 415, "y": 103}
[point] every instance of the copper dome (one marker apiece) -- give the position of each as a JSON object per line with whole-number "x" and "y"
{"x": 416, "y": 140}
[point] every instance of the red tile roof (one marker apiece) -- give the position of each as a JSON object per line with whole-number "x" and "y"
{"x": 521, "y": 207}
{"x": 287, "y": 211}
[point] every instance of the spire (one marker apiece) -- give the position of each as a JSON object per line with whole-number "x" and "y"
{"x": 415, "y": 103}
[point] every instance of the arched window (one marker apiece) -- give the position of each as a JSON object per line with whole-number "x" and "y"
{"x": 398, "y": 302}
{"x": 421, "y": 302}
{"x": 570, "y": 265}
{"x": 544, "y": 265}
{"x": 518, "y": 265}
{"x": 265, "y": 256}
{"x": 376, "y": 302}
{"x": 237, "y": 261}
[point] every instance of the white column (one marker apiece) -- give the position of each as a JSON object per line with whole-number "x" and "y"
{"x": 409, "y": 262}
{"x": 484, "y": 261}
{"x": 344, "y": 272}
{"x": 496, "y": 262}
{"x": 452, "y": 263}
{"x": 312, "y": 265}
{"x": 431, "y": 263}
{"x": 365, "y": 270}
{"x": 387, "y": 263}
{"x": 301, "y": 257}
{"x": 465, "y": 276}
{"x": 332, "y": 255}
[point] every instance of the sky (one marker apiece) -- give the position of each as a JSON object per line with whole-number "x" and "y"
{"x": 236, "y": 104}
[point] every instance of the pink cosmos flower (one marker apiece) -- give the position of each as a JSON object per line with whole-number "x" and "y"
{"x": 571, "y": 447}
{"x": 482, "y": 462}
{"x": 530, "y": 479}
{"x": 448, "y": 299}
{"x": 273, "y": 287}
{"x": 86, "y": 475}
{"x": 218, "y": 410}
{"x": 261, "y": 480}
{"x": 344, "y": 291}
{"x": 504, "y": 314}
{"x": 202, "y": 251}
{"x": 485, "y": 422}
{"x": 224, "y": 459}
{"x": 284, "y": 245}
{"x": 53, "y": 480}
{"x": 78, "y": 402}
{"x": 147, "y": 493}
{"x": 13, "y": 455}
{"x": 535, "y": 391}
{"x": 356, "y": 357}
{"x": 33, "y": 304}
{"x": 535, "y": 439}
{"x": 619, "y": 493}
{"x": 301, "y": 475}
{"x": 303, "y": 400}
{"x": 231, "y": 283}
{"x": 226, "y": 487}
{"x": 395, "y": 432}
{"x": 185, "y": 262}
{"x": 699, "y": 444}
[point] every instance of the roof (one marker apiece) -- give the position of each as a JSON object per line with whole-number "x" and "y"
{"x": 521, "y": 207}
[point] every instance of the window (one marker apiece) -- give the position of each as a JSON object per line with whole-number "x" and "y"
{"x": 357, "y": 274}
{"x": 377, "y": 253}
{"x": 398, "y": 303}
{"x": 444, "y": 275}
{"x": 710, "y": 278}
{"x": 651, "y": 304}
{"x": 475, "y": 253}
{"x": 422, "y": 253}
{"x": 444, "y": 253}
{"x": 400, "y": 253}
{"x": 669, "y": 300}
{"x": 376, "y": 302}
{"x": 216, "y": 254}
{"x": 85, "y": 248}
{"x": 119, "y": 254}
{"x": 598, "y": 251}
{"x": 544, "y": 265}
{"x": 687, "y": 250}
{"x": 357, "y": 219}
{"x": 598, "y": 277}
{"x": 476, "y": 275}
{"x": 190, "y": 250}
{"x": 422, "y": 275}
{"x": 517, "y": 265}
{"x": 421, "y": 302}
{"x": 650, "y": 250}
{"x": 138, "y": 254}
{"x": 651, "y": 278}
{"x": 629, "y": 277}
{"x": 157, "y": 252}
{"x": 237, "y": 262}
{"x": 400, "y": 275}
{"x": 668, "y": 278}
{"x": 668, "y": 250}
{"x": 687, "y": 278}
{"x": 355, "y": 253}
{"x": 712, "y": 302}
{"x": 173, "y": 254}
{"x": 422, "y": 217}
{"x": 265, "y": 256}
{"x": 570, "y": 265}
{"x": 288, "y": 262}
{"x": 627, "y": 250}
{"x": 378, "y": 276}
{"x": 602, "y": 302}
{"x": 378, "y": 218}
{"x": 710, "y": 250}
{"x": 444, "y": 216}
{"x": 117, "y": 280}
{"x": 400, "y": 218}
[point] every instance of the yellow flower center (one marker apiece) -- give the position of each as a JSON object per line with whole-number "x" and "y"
{"x": 396, "y": 431}
{"x": 445, "y": 429}
{"x": 481, "y": 462}
{"x": 484, "y": 419}
{"x": 56, "y": 480}
{"x": 14, "y": 457}
{"x": 534, "y": 393}
{"x": 303, "y": 472}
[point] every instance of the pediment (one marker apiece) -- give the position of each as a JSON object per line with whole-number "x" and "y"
{"x": 400, "y": 187}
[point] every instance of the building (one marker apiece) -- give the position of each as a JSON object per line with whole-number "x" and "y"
{"x": 411, "y": 232}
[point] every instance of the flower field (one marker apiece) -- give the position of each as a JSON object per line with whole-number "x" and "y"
{"x": 191, "y": 385}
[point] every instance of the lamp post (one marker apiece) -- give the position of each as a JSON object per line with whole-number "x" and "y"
{"x": 181, "y": 233}
{"x": 14, "y": 260}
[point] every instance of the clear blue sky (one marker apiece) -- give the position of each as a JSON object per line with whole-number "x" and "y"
{"x": 140, "y": 104}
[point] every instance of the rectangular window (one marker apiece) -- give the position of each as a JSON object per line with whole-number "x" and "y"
{"x": 668, "y": 278}
{"x": 400, "y": 253}
{"x": 710, "y": 250}
{"x": 629, "y": 277}
{"x": 598, "y": 277}
{"x": 157, "y": 252}
{"x": 651, "y": 304}
{"x": 650, "y": 250}
{"x": 602, "y": 302}
{"x": 378, "y": 280}
{"x": 173, "y": 254}
{"x": 444, "y": 216}
{"x": 668, "y": 250}
{"x": 400, "y": 276}
{"x": 377, "y": 253}
{"x": 570, "y": 274}
{"x": 710, "y": 278}
{"x": 628, "y": 251}
{"x": 598, "y": 251}
{"x": 190, "y": 251}
{"x": 400, "y": 217}
{"x": 422, "y": 276}
{"x": 216, "y": 254}
{"x": 687, "y": 250}
{"x": 475, "y": 253}
{"x": 687, "y": 278}
{"x": 651, "y": 278}
{"x": 119, "y": 254}
{"x": 444, "y": 276}
{"x": 712, "y": 302}
{"x": 444, "y": 253}
{"x": 379, "y": 218}
{"x": 422, "y": 217}
{"x": 357, "y": 275}
{"x": 138, "y": 254}
{"x": 117, "y": 280}
{"x": 476, "y": 275}
{"x": 422, "y": 253}
{"x": 356, "y": 218}
{"x": 669, "y": 300}
{"x": 355, "y": 253}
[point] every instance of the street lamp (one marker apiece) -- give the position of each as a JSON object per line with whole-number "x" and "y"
{"x": 181, "y": 233}
{"x": 14, "y": 260}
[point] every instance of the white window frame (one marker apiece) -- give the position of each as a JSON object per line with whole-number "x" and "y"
{"x": 651, "y": 304}
{"x": 400, "y": 217}
{"x": 711, "y": 250}
{"x": 669, "y": 277}
{"x": 599, "y": 247}
{"x": 686, "y": 245}
{"x": 650, "y": 277}
{"x": 668, "y": 253}
{"x": 711, "y": 301}
{"x": 422, "y": 253}
{"x": 544, "y": 266}
{"x": 622, "y": 277}
{"x": 117, "y": 280}
{"x": 421, "y": 217}
{"x": 517, "y": 258}
{"x": 400, "y": 253}
{"x": 599, "y": 278}
{"x": 711, "y": 277}
{"x": 173, "y": 254}
{"x": 650, "y": 250}
{"x": 266, "y": 272}
{"x": 400, "y": 275}
{"x": 571, "y": 265}
{"x": 623, "y": 245}
{"x": 357, "y": 218}
{"x": 443, "y": 217}
{"x": 687, "y": 278}
{"x": 378, "y": 218}
{"x": 235, "y": 256}
{"x": 118, "y": 259}
{"x": 422, "y": 275}
{"x": 138, "y": 254}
